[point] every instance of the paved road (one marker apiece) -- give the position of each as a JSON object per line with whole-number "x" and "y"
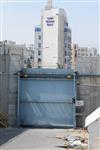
{"x": 33, "y": 139}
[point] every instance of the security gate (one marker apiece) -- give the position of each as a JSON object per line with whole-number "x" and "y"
{"x": 47, "y": 100}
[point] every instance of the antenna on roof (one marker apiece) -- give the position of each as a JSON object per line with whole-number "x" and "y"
{"x": 49, "y": 5}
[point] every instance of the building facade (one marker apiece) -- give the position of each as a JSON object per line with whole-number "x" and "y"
{"x": 84, "y": 59}
{"x": 53, "y": 39}
{"x": 29, "y": 56}
{"x": 38, "y": 47}
{"x": 86, "y": 52}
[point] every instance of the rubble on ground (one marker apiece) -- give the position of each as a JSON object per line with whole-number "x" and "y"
{"x": 74, "y": 142}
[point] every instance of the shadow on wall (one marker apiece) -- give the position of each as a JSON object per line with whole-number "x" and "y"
{"x": 6, "y": 134}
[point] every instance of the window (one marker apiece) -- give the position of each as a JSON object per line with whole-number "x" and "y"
{"x": 65, "y": 45}
{"x": 69, "y": 30}
{"x": 69, "y": 46}
{"x": 39, "y": 45}
{"x": 65, "y": 37}
{"x": 39, "y": 37}
{"x": 65, "y": 53}
{"x": 31, "y": 57}
{"x": 66, "y": 23}
{"x": 39, "y": 53}
{"x": 25, "y": 62}
{"x": 39, "y": 60}
{"x": 65, "y": 30}
{"x": 78, "y": 54}
{"x": 69, "y": 39}
{"x": 8, "y": 51}
{"x": 65, "y": 60}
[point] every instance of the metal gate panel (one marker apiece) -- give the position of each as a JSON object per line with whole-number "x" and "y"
{"x": 47, "y": 102}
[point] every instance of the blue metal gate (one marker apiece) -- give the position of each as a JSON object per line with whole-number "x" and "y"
{"x": 46, "y": 99}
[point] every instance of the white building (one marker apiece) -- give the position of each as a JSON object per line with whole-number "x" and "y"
{"x": 74, "y": 56}
{"x": 53, "y": 38}
{"x": 29, "y": 56}
{"x": 87, "y": 52}
{"x": 85, "y": 59}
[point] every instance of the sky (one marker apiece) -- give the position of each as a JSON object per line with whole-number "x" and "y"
{"x": 18, "y": 19}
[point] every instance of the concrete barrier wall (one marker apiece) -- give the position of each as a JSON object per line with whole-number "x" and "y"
{"x": 89, "y": 92}
{"x": 9, "y": 66}
{"x": 8, "y": 97}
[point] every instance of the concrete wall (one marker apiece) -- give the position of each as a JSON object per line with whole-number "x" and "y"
{"x": 88, "y": 65}
{"x": 4, "y": 83}
{"x": 12, "y": 103}
{"x": 9, "y": 66}
{"x": 89, "y": 92}
{"x": 8, "y": 97}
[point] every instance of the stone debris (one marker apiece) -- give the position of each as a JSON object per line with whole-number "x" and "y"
{"x": 76, "y": 142}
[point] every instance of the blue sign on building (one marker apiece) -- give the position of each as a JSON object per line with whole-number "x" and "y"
{"x": 50, "y": 21}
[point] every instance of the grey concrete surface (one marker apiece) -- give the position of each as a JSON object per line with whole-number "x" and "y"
{"x": 34, "y": 139}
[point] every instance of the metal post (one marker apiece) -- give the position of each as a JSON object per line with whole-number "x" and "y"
{"x": 4, "y": 46}
{"x": 75, "y": 96}
{"x": 18, "y": 101}
{"x": 75, "y": 86}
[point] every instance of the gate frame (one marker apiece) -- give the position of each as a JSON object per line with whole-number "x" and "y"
{"x": 22, "y": 73}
